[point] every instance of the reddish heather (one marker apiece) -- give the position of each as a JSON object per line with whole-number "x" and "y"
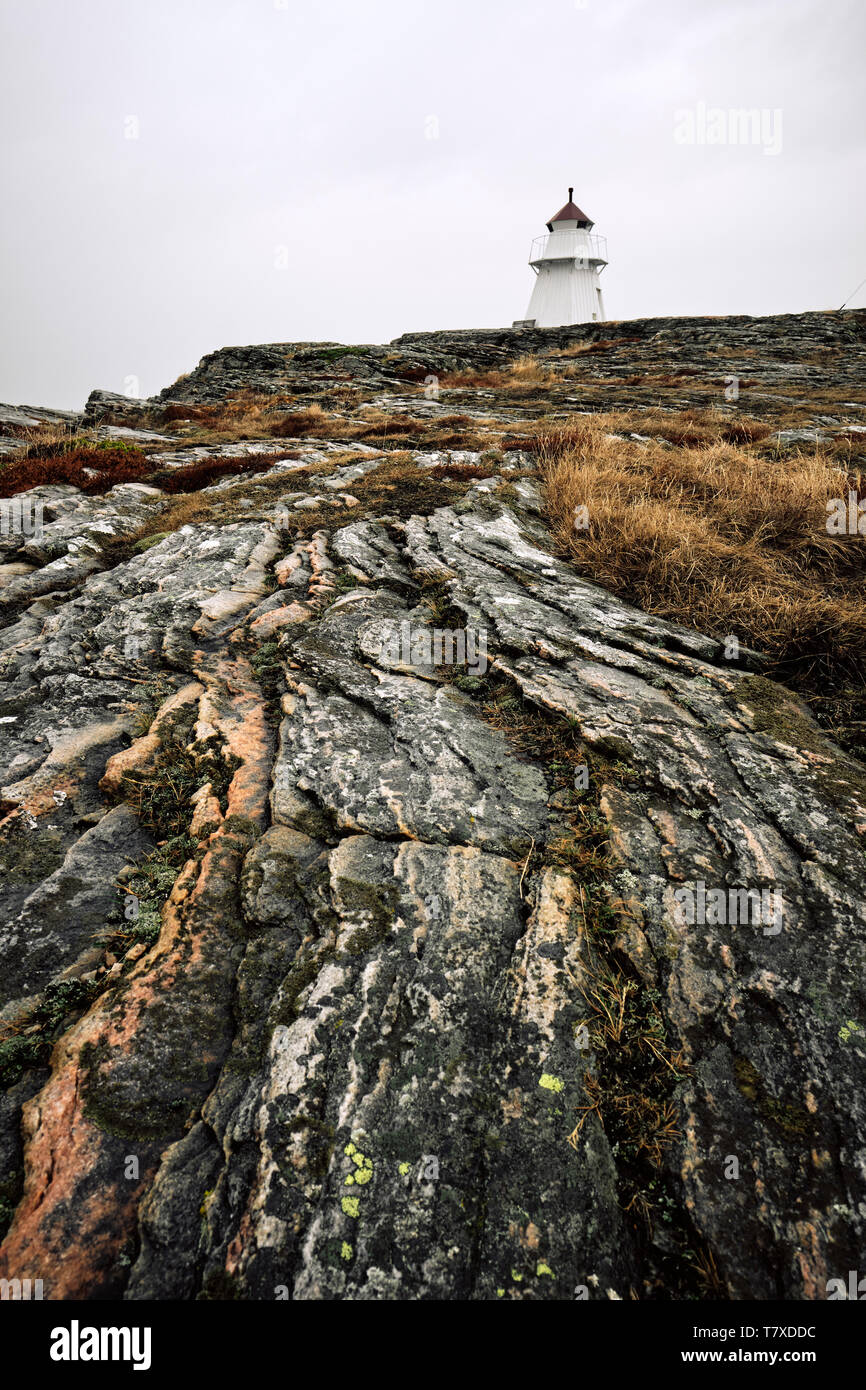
{"x": 96, "y": 470}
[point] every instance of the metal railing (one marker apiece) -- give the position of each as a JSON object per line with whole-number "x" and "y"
{"x": 569, "y": 248}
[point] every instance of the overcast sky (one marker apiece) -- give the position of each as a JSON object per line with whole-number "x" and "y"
{"x": 183, "y": 175}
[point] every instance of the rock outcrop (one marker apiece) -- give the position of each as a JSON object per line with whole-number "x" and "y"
{"x": 430, "y": 997}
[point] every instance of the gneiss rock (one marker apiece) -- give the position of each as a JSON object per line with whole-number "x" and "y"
{"x": 416, "y": 1019}
{"x": 101, "y": 403}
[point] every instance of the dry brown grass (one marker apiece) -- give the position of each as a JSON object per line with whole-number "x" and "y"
{"x": 527, "y": 374}
{"x": 717, "y": 538}
{"x": 384, "y": 429}
{"x": 406, "y": 431}
{"x": 248, "y": 415}
{"x": 578, "y": 349}
{"x": 694, "y": 426}
{"x": 397, "y": 485}
{"x": 529, "y": 369}
{"x": 39, "y": 434}
{"x": 298, "y": 423}
{"x": 241, "y": 501}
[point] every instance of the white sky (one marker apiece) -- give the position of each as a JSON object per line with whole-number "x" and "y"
{"x": 268, "y": 124}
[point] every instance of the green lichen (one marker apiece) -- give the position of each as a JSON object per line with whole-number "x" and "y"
{"x": 792, "y": 1120}
{"x": 376, "y": 905}
{"x": 777, "y": 713}
{"x": 18, "y": 1055}
{"x": 27, "y": 857}
{"x": 550, "y": 1082}
{"x": 780, "y": 715}
{"x": 351, "y": 1206}
{"x": 302, "y": 974}
{"x": 243, "y": 826}
{"x": 335, "y": 353}
{"x": 147, "y": 541}
{"x": 847, "y": 1031}
{"x": 346, "y": 1251}
{"x": 404, "y": 1169}
{"x": 59, "y": 1002}
{"x": 542, "y": 1268}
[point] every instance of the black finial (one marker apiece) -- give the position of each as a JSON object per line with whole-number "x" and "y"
{"x": 570, "y": 191}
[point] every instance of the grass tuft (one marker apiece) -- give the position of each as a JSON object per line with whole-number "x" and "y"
{"x": 718, "y": 538}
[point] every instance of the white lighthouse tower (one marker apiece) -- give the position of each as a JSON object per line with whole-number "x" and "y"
{"x": 567, "y": 264}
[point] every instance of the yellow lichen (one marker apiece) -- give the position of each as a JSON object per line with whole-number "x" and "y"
{"x": 550, "y": 1082}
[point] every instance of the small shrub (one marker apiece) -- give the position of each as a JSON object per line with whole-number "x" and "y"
{"x": 92, "y": 467}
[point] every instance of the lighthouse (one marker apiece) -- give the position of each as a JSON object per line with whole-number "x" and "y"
{"x": 567, "y": 263}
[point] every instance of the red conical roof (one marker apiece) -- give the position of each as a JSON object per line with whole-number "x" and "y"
{"x": 570, "y": 213}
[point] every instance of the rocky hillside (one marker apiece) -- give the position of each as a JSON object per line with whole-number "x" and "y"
{"x": 392, "y": 910}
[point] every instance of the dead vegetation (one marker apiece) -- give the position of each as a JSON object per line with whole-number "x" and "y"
{"x": 254, "y": 417}
{"x": 386, "y": 430}
{"x": 525, "y": 376}
{"x": 703, "y": 518}
{"x": 82, "y": 463}
{"x": 397, "y": 486}
{"x": 681, "y": 428}
{"x": 95, "y": 468}
{"x": 716, "y": 537}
